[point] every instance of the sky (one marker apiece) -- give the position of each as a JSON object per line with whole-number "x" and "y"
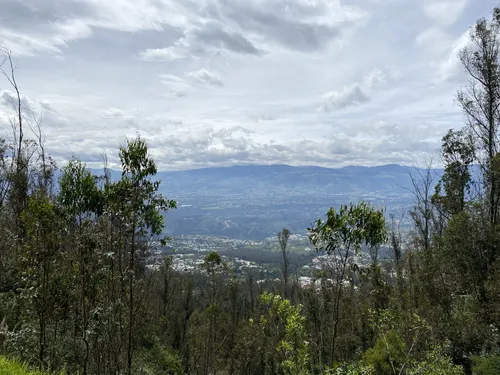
{"x": 224, "y": 82}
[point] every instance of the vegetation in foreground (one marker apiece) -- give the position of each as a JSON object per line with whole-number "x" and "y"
{"x": 76, "y": 296}
{"x": 13, "y": 367}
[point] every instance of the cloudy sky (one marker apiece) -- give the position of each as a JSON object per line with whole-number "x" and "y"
{"x": 222, "y": 82}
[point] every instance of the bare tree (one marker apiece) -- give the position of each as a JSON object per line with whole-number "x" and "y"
{"x": 18, "y": 170}
{"x": 9, "y": 73}
{"x": 422, "y": 213}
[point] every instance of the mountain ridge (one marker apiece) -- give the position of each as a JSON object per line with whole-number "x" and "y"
{"x": 256, "y": 201}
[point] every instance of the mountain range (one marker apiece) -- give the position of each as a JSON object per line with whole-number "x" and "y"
{"x": 256, "y": 201}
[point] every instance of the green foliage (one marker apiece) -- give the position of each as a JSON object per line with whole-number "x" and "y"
{"x": 349, "y": 227}
{"x": 212, "y": 260}
{"x": 389, "y": 354}
{"x": 451, "y": 192}
{"x": 156, "y": 359}
{"x": 13, "y": 367}
{"x": 79, "y": 194}
{"x": 351, "y": 369}
{"x": 136, "y": 195}
{"x": 435, "y": 363}
{"x": 285, "y": 320}
{"x": 486, "y": 365}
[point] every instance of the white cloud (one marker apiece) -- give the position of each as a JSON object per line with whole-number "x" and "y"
{"x": 252, "y": 27}
{"x": 357, "y": 93}
{"x": 159, "y": 54}
{"x": 196, "y": 79}
{"x": 205, "y": 78}
{"x": 348, "y": 96}
{"x": 215, "y": 82}
{"x": 177, "y": 86}
{"x": 445, "y": 12}
{"x": 451, "y": 68}
{"x": 434, "y": 40}
{"x": 375, "y": 78}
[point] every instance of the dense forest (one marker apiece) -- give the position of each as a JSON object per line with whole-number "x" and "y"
{"x": 77, "y": 296}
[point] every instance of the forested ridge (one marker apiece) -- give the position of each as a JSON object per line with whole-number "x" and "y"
{"x": 77, "y": 297}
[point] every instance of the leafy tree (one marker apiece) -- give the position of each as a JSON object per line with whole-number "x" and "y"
{"x": 451, "y": 192}
{"x": 139, "y": 204}
{"x": 480, "y": 100}
{"x": 285, "y": 322}
{"x": 341, "y": 235}
{"x": 42, "y": 258}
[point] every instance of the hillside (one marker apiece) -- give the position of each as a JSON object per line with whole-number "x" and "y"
{"x": 260, "y": 180}
{"x": 256, "y": 201}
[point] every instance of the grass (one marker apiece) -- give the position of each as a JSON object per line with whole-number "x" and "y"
{"x": 13, "y": 367}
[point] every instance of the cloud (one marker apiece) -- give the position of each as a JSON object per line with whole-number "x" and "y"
{"x": 177, "y": 86}
{"x": 205, "y": 78}
{"x": 178, "y": 144}
{"x": 451, "y": 69}
{"x": 160, "y": 54}
{"x": 247, "y": 27}
{"x": 357, "y": 93}
{"x": 186, "y": 74}
{"x": 375, "y": 78}
{"x": 196, "y": 79}
{"x": 445, "y": 12}
{"x": 34, "y": 113}
{"x": 211, "y": 39}
{"x": 50, "y": 40}
{"x": 9, "y": 99}
{"x": 48, "y": 26}
{"x": 252, "y": 27}
{"x": 348, "y": 96}
{"x": 434, "y": 39}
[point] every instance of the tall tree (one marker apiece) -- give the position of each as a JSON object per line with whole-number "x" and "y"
{"x": 480, "y": 100}
{"x": 451, "y": 193}
{"x": 342, "y": 235}
{"x": 19, "y": 158}
{"x": 283, "y": 237}
{"x": 140, "y": 206}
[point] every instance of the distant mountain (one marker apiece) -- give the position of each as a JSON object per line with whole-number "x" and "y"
{"x": 256, "y": 201}
{"x": 263, "y": 179}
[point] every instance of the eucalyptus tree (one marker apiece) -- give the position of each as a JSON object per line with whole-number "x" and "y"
{"x": 342, "y": 236}
{"x": 136, "y": 201}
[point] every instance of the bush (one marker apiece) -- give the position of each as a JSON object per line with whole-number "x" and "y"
{"x": 13, "y": 367}
{"x": 351, "y": 369}
{"x": 158, "y": 360}
{"x": 388, "y": 355}
{"x": 486, "y": 365}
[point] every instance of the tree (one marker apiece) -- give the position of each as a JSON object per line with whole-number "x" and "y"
{"x": 139, "y": 205}
{"x": 480, "y": 100}
{"x": 19, "y": 158}
{"x": 83, "y": 202}
{"x": 283, "y": 237}
{"x": 452, "y": 190}
{"x": 342, "y": 235}
{"x": 214, "y": 266}
{"x": 423, "y": 213}
{"x": 287, "y": 324}
{"x": 42, "y": 257}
